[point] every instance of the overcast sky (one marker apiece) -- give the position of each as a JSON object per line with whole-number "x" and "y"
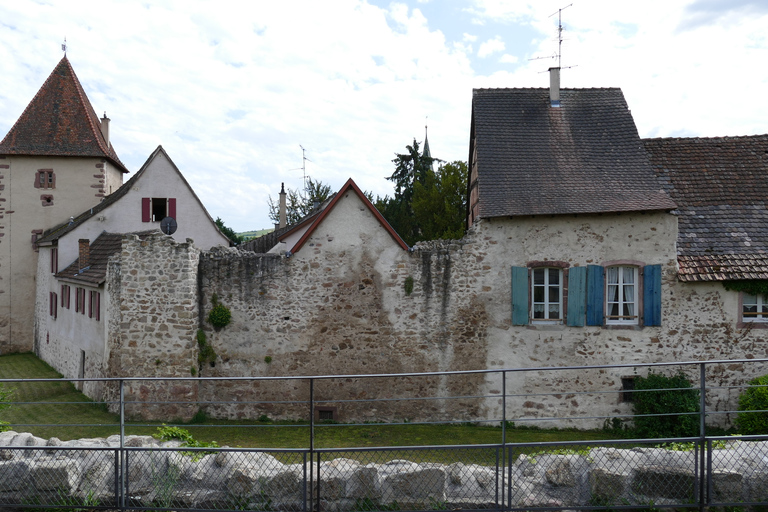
{"x": 232, "y": 90}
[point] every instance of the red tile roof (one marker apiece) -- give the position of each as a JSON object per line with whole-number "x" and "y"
{"x": 720, "y": 185}
{"x": 59, "y": 121}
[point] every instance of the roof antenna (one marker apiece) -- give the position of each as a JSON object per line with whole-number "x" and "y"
{"x": 64, "y": 46}
{"x": 303, "y": 168}
{"x": 559, "y": 53}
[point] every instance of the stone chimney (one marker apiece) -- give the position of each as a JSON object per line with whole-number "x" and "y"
{"x": 84, "y": 260}
{"x": 554, "y": 87}
{"x": 105, "y": 128}
{"x": 283, "y": 211}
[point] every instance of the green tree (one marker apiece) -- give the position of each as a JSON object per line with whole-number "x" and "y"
{"x": 665, "y": 406}
{"x": 753, "y": 407}
{"x": 299, "y": 203}
{"x": 427, "y": 204}
{"x": 439, "y": 204}
{"x": 228, "y": 232}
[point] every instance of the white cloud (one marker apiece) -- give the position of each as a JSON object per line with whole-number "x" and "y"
{"x": 490, "y": 47}
{"x": 508, "y": 59}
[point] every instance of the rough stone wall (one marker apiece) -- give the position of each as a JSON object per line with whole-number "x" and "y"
{"x": 152, "y": 324}
{"x": 339, "y": 306}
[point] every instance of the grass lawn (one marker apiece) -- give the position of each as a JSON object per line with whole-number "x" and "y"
{"x": 57, "y": 409}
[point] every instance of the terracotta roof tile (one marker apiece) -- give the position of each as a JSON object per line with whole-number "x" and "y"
{"x": 59, "y": 121}
{"x": 720, "y": 185}
{"x": 583, "y": 157}
{"x": 105, "y": 245}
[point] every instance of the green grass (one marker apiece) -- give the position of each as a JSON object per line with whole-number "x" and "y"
{"x": 71, "y": 415}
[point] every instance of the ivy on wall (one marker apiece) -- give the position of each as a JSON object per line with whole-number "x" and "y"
{"x": 751, "y": 287}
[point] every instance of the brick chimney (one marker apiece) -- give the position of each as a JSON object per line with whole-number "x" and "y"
{"x": 554, "y": 87}
{"x": 84, "y": 260}
{"x": 105, "y": 128}
{"x": 283, "y": 211}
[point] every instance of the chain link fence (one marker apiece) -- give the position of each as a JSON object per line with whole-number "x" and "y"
{"x": 134, "y": 472}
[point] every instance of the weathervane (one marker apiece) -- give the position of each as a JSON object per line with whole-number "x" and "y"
{"x": 64, "y": 45}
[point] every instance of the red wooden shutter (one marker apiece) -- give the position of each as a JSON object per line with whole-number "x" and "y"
{"x": 146, "y": 209}
{"x": 98, "y": 305}
{"x": 50, "y": 303}
{"x": 172, "y": 207}
{"x": 90, "y": 304}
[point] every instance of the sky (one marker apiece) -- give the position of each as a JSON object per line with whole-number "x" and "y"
{"x": 233, "y": 90}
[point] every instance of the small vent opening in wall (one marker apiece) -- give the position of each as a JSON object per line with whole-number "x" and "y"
{"x": 627, "y": 388}
{"x": 326, "y": 414}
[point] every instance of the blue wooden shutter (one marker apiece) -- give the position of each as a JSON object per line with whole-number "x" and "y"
{"x": 652, "y": 295}
{"x": 577, "y": 292}
{"x": 595, "y": 294}
{"x": 519, "y": 296}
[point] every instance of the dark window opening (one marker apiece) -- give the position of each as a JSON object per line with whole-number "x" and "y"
{"x": 627, "y": 388}
{"x": 159, "y": 208}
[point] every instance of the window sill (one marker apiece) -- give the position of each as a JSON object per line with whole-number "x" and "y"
{"x": 546, "y": 326}
{"x": 741, "y": 324}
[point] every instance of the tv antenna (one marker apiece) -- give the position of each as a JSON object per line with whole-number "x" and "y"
{"x": 559, "y": 53}
{"x": 64, "y": 45}
{"x": 303, "y": 168}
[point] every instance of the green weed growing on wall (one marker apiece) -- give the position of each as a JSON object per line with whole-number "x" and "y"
{"x": 750, "y": 287}
{"x": 205, "y": 352}
{"x": 408, "y": 285}
{"x": 219, "y": 316}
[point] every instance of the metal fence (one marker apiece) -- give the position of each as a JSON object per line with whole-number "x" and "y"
{"x": 132, "y": 472}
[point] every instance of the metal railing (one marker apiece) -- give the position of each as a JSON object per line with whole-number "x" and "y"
{"x": 136, "y": 473}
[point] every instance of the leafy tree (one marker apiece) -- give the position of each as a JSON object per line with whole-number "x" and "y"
{"x": 300, "y": 203}
{"x": 753, "y": 404}
{"x": 427, "y": 204}
{"x": 439, "y": 205}
{"x": 228, "y": 232}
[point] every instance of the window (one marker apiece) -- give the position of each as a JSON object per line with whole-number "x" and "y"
{"x": 65, "y": 296}
{"x": 80, "y": 300}
{"x": 547, "y": 294}
{"x": 155, "y": 209}
{"x": 618, "y": 294}
{"x": 94, "y": 305}
{"x": 53, "y": 305}
{"x": 621, "y": 295}
{"x": 627, "y": 387}
{"x": 754, "y": 308}
{"x": 45, "y": 178}
{"x": 54, "y": 260}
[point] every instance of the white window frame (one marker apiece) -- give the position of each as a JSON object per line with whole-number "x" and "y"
{"x": 546, "y": 303}
{"x": 760, "y": 315}
{"x": 621, "y": 296}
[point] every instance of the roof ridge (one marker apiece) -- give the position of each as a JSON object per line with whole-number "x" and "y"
{"x": 716, "y": 137}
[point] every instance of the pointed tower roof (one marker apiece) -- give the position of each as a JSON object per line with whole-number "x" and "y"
{"x": 59, "y": 121}
{"x": 426, "y": 152}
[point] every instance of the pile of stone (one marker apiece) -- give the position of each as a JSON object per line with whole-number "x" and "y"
{"x": 35, "y": 470}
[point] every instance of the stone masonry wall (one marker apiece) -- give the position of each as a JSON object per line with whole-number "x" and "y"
{"x": 152, "y": 324}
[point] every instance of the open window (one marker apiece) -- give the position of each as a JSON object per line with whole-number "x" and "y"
{"x": 155, "y": 209}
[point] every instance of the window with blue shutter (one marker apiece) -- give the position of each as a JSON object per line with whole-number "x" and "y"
{"x": 577, "y": 291}
{"x": 652, "y": 295}
{"x": 595, "y": 294}
{"x": 519, "y": 296}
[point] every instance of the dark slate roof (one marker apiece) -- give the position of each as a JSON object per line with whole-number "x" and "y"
{"x": 102, "y": 248}
{"x": 584, "y": 157}
{"x": 59, "y": 121}
{"x": 720, "y": 185}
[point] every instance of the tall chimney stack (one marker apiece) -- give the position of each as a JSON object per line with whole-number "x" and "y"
{"x": 105, "y": 128}
{"x": 554, "y": 87}
{"x": 84, "y": 259}
{"x": 283, "y": 211}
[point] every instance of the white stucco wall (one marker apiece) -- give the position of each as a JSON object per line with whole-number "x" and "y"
{"x": 79, "y": 185}
{"x": 160, "y": 179}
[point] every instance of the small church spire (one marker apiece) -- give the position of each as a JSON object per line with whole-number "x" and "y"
{"x": 64, "y": 46}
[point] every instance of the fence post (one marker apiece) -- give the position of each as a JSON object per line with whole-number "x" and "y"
{"x": 312, "y": 443}
{"x": 503, "y": 436}
{"x": 703, "y": 468}
{"x": 123, "y": 468}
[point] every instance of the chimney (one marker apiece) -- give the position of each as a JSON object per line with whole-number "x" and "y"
{"x": 283, "y": 213}
{"x": 105, "y": 128}
{"x": 554, "y": 87}
{"x": 84, "y": 260}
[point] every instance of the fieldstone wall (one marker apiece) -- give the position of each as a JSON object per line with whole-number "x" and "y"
{"x": 162, "y": 474}
{"x": 153, "y": 318}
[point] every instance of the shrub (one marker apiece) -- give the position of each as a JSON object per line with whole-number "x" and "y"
{"x": 205, "y": 351}
{"x": 673, "y": 397}
{"x": 219, "y": 316}
{"x": 753, "y": 402}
